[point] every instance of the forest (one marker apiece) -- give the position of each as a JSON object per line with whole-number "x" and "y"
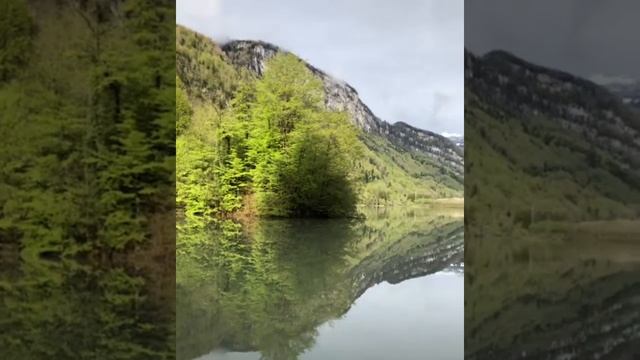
{"x": 266, "y": 144}
{"x": 274, "y": 151}
{"x": 87, "y": 121}
{"x": 87, "y": 189}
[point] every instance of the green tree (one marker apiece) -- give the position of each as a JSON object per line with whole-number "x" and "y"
{"x": 184, "y": 112}
{"x": 16, "y": 32}
{"x": 276, "y": 143}
{"x": 316, "y": 179}
{"x": 299, "y": 152}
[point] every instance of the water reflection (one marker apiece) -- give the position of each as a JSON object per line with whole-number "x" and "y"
{"x": 267, "y": 288}
{"x": 555, "y": 290}
{"x": 68, "y": 310}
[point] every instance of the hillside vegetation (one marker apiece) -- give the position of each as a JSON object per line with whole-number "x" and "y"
{"x": 265, "y": 144}
{"x": 87, "y": 155}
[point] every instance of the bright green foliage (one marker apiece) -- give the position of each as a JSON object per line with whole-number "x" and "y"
{"x": 275, "y": 143}
{"x": 268, "y": 144}
{"x": 184, "y": 112}
{"x": 203, "y": 68}
{"x": 194, "y": 176}
{"x": 206, "y": 84}
{"x": 316, "y": 177}
{"x": 233, "y": 182}
{"x": 196, "y": 183}
{"x": 297, "y": 154}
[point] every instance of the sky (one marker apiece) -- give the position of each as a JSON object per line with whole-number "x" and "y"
{"x": 405, "y": 58}
{"x": 596, "y": 39}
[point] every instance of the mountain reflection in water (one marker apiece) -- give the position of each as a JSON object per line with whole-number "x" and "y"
{"x": 556, "y": 291}
{"x": 280, "y": 288}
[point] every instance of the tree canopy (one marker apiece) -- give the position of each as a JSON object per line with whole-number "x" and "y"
{"x": 276, "y": 150}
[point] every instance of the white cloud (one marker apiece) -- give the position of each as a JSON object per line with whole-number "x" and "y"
{"x": 449, "y": 135}
{"x": 612, "y": 80}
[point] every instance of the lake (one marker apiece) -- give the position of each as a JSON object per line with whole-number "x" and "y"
{"x": 387, "y": 287}
{"x": 561, "y": 290}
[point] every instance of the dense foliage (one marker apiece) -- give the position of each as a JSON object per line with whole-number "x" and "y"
{"x": 87, "y": 124}
{"x": 265, "y": 144}
{"x": 275, "y": 150}
{"x": 16, "y": 32}
{"x": 87, "y": 160}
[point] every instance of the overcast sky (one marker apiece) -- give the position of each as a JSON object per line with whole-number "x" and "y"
{"x": 405, "y": 58}
{"x": 585, "y": 37}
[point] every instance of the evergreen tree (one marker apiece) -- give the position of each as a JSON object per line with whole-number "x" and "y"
{"x": 16, "y": 32}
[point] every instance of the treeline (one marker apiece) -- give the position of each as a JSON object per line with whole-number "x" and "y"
{"x": 87, "y": 122}
{"x": 273, "y": 151}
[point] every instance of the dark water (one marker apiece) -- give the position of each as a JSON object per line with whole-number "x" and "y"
{"x": 555, "y": 291}
{"x": 389, "y": 287}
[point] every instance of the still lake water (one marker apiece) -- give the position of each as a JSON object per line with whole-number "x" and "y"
{"x": 388, "y": 287}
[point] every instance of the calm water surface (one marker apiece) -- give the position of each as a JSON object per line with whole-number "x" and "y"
{"x": 420, "y": 316}
{"x": 388, "y": 287}
{"x": 558, "y": 290}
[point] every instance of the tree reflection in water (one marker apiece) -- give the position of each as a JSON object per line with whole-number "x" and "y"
{"x": 267, "y": 287}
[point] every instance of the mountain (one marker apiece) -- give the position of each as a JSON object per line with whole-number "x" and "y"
{"x": 340, "y": 96}
{"x": 552, "y": 198}
{"x": 628, "y": 91}
{"x": 526, "y": 115}
{"x": 401, "y": 163}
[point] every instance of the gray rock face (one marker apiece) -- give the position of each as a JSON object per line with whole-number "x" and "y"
{"x": 251, "y": 55}
{"x": 340, "y": 96}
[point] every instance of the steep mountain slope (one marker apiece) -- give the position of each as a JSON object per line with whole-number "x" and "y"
{"x": 401, "y": 164}
{"x": 552, "y": 160}
{"x": 340, "y": 96}
{"x": 521, "y": 116}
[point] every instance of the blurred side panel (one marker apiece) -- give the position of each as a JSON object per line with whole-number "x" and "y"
{"x": 87, "y": 194}
{"x": 552, "y": 180}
